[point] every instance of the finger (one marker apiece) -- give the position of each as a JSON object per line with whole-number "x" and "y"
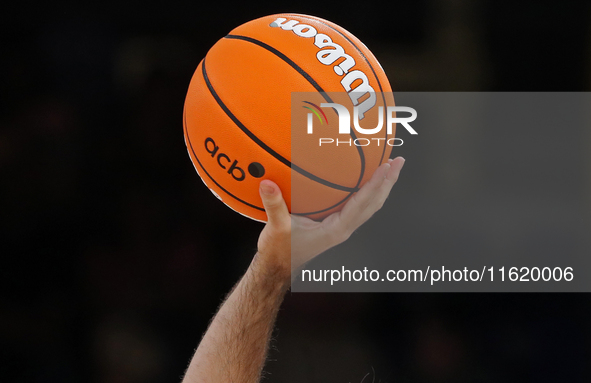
{"x": 372, "y": 195}
{"x": 275, "y": 207}
{"x": 391, "y": 177}
{"x": 360, "y": 201}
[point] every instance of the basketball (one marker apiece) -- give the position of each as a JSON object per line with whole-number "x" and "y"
{"x": 241, "y": 127}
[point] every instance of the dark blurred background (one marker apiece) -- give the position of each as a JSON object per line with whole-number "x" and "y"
{"x": 115, "y": 255}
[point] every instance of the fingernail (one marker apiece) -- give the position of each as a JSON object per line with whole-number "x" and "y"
{"x": 267, "y": 189}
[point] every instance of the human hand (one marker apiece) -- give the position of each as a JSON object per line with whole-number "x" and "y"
{"x": 310, "y": 237}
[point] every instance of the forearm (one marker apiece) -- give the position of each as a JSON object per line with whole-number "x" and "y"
{"x": 234, "y": 348}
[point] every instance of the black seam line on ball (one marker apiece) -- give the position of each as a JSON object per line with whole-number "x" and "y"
{"x": 324, "y": 210}
{"x": 238, "y": 199}
{"x": 368, "y": 63}
{"x": 284, "y": 58}
{"x": 210, "y": 177}
{"x": 232, "y": 195}
{"x": 264, "y": 146}
{"x": 309, "y": 78}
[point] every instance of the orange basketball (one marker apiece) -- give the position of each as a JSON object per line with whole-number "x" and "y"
{"x": 239, "y": 126}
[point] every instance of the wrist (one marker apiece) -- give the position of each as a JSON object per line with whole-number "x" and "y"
{"x": 277, "y": 274}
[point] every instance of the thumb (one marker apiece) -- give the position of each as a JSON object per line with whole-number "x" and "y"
{"x": 273, "y": 202}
